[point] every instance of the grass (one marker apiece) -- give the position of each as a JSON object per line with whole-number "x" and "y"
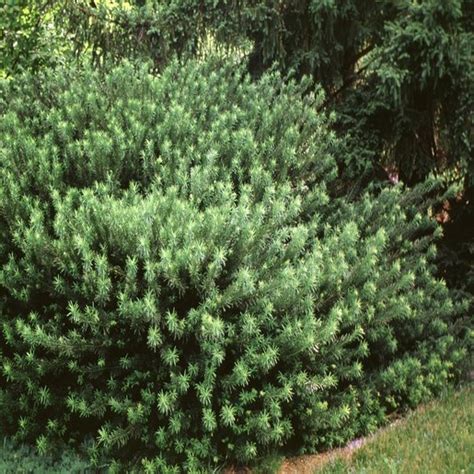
{"x": 438, "y": 438}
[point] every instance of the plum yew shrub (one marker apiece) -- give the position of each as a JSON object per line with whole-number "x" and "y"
{"x": 181, "y": 285}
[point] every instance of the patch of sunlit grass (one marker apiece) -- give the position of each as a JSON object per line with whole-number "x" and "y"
{"x": 438, "y": 438}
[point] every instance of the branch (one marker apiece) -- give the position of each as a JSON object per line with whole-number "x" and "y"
{"x": 349, "y": 81}
{"x": 353, "y": 77}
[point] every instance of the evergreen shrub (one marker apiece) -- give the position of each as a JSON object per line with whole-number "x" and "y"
{"x": 181, "y": 286}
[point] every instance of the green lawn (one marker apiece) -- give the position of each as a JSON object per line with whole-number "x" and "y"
{"x": 438, "y": 438}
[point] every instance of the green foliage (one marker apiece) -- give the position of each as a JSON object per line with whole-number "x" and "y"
{"x": 321, "y": 38}
{"x": 28, "y": 35}
{"x": 179, "y": 281}
{"x": 412, "y": 110}
{"x": 24, "y": 460}
{"x": 400, "y": 74}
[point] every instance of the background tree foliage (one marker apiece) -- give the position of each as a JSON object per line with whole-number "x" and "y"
{"x": 29, "y": 38}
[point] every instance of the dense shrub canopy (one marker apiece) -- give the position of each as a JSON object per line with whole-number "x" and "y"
{"x": 178, "y": 282}
{"x": 398, "y": 74}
